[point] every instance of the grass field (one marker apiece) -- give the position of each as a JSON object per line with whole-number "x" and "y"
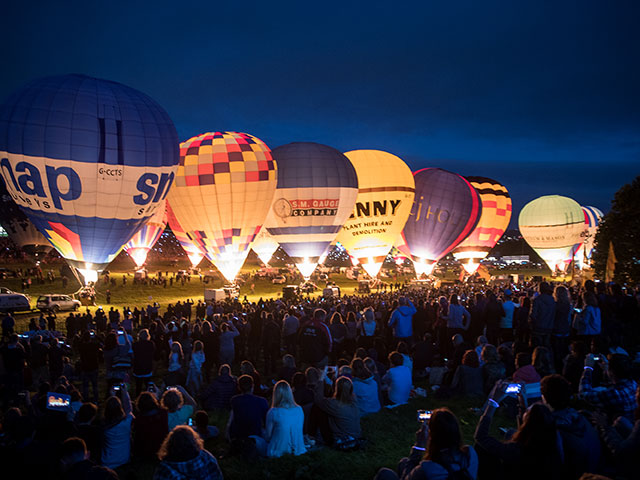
{"x": 390, "y": 433}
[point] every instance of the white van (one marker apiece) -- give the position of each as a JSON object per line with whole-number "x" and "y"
{"x": 14, "y": 302}
{"x": 214, "y": 295}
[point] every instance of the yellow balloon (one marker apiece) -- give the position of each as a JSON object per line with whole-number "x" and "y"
{"x": 385, "y": 197}
{"x": 552, "y": 225}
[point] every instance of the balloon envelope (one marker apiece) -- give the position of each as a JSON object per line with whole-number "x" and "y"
{"x": 145, "y": 238}
{"x": 593, "y": 216}
{"x": 317, "y": 189}
{"x": 552, "y": 225}
{"x": 385, "y": 197}
{"x": 193, "y": 251}
{"x": 88, "y": 161}
{"x": 264, "y": 245}
{"x": 224, "y": 187}
{"x": 494, "y": 220}
{"x": 445, "y": 210}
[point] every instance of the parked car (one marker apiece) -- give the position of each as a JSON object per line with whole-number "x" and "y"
{"x": 280, "y": 279}
{"x": 14, "y": 302}
{"x": 57, "y": 303}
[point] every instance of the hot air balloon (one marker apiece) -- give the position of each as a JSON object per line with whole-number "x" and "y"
{"x": 264, "y": 245}
{"x": 18, "y": 227}
{"x": 193, "y": 251}
{"x": 445, "y": 211}
{"x": 593, "y": 216}
{"x": 145, "y": 238}
{"x": 495, "y": 217}
{"x": 552, "y": 225}
{"x": 224, "y": 187}
{"x": 317, "y": 189}
{"x": 385, "y": 196}
{"x": 89, "y": 161}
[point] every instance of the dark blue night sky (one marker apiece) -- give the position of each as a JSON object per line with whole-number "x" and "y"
{"x": 541, "y": 95}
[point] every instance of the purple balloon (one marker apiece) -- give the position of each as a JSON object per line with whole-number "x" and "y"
{"x": 445, "y": 211}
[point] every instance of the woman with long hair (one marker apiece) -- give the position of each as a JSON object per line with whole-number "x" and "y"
{"x": 283, "y": 427}
{"x": 182, "y": 455}
{"x": 561, "y": 325}
{"x": 116, "y": 436}
{"x": 341, "y": 411}
{"x": 150, "y": 425}
{"x": 438, "y": 452}
{"x": 365, "y": 387}
{"x": 533, "y": 452}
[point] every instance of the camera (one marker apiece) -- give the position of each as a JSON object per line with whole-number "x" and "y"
{"x": 424, "y": 415}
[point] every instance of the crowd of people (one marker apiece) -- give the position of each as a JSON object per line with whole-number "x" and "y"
{"x": 299, "y": 375}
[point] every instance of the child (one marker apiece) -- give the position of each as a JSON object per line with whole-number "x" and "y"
{"x": 202, "y": 427}
{"x": 194, "y": 376}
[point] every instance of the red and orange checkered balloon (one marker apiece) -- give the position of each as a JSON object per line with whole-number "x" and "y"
{"x": 222, "y": 193}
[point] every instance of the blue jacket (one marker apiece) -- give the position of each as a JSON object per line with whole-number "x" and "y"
{"x": 401, "y": 320}
{"x": 543, "y": 314}
{"x": 588, "y": 321}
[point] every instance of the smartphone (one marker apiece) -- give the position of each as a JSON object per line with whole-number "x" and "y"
{"x": 424, "y": 415}
{"x": 597, "y": 358}
{"x": 190, "y": 422}
{"x": 117, "y": 388}
{"x": 513, "y": 388}
{"x": 92, "y": 333}
{"x": 58, "y": 401}
{"x": 120, "y": 332}
{"x": 577, "y": 310}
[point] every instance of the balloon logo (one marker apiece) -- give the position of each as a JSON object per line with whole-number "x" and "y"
{"x": 317, "y": 190}
{"x": 193, "y": 251}
{"x": 552, "y": 225}
{"x": 494, "y": 220}
{"x": 445, "y": 211}
{"x": 144, "y": 239}
{"x": 385, "y": 197}
{"x": 224, "y": 188}
{"x": 88, "y": 161}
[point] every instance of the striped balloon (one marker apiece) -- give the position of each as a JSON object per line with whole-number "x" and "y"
{"x": 89, "y": 161}
{"x": 593, "y": 216}
{"x": 144, "y": 239}
{"x": 317, "y": 190}
{"x": 193, "y": 251}
{"x": 496, "y": 214}
{"x": 445, "y": 211}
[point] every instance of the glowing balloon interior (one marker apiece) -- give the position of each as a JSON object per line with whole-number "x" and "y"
{"x": 317, "y": 189}
{"x": 264, "y": 245}
{"x": 193, "y": 251}
{"x": 495, "y": 217}
{"x": 385, "y": 197}
{"x": 552, "y": 225}
{"x": 88, "y": 160}
{"x": 224, "y": 187}
{"x": 144, "y": 239}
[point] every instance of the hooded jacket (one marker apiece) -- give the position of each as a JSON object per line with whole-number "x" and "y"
{"x": 367, "y": 397}
{"x": 401, "y": 320}
{"x": 202, "y": 467}
{"x": 580, "y": 441}
{"x": 543, "y": 314}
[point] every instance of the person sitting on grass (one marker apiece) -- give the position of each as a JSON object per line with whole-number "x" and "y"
{"x": 467, "y": 379}
{"x": 218, "y": 394}
{"x": 179, "y": 404}
{"x": 182, "y": 455}
{"x": 365, "y": 388}
{"x": 341, "y": 419}
{"x": 284, "y": 424}
{"x": 150, "y": 426}
{"x": 202, "y": 427}
{"x": 397, "y": 381}
{"x": 248, "y": 411}
{"x": 437, "y": 454}
{"x": 525, "y": 372}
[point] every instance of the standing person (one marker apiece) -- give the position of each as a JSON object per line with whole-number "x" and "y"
{"x": 522, "y": 320}
{"x": 56, "y": 364}
{"x": 506, "y": 323}
{"x": 150, "y": 426}
{"x": 8, "y": 324}
{"x": 14, "y": 356}
{"x": 38, "y": 360}
{"x": 315, "y": 341}
{"x": 493, "y": 316}
{"x": 270, "y": 343}
{"x": 182, "y": 455}
{"x": 367, "y": 328}
{"x": 228, "y": 333}
{"x": 290, "y": 327}
{"x": 116, "y": 444}
{"x": 194, "y": 375}
{"x": 588, "y": 322}
{"x": 402, "y": 321}
{"x": 338, "y": 332}
{"x": 143, "y": 354}
{"x": 458, "y": 318}
{"x": 285, "y": 419}
{"x": 90, "y": 354}
{"x": 175, "y": 375}
{"x": 543, "y": 314}
{"x": 211, "y": 345}
{"x": 561, "y": 326}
